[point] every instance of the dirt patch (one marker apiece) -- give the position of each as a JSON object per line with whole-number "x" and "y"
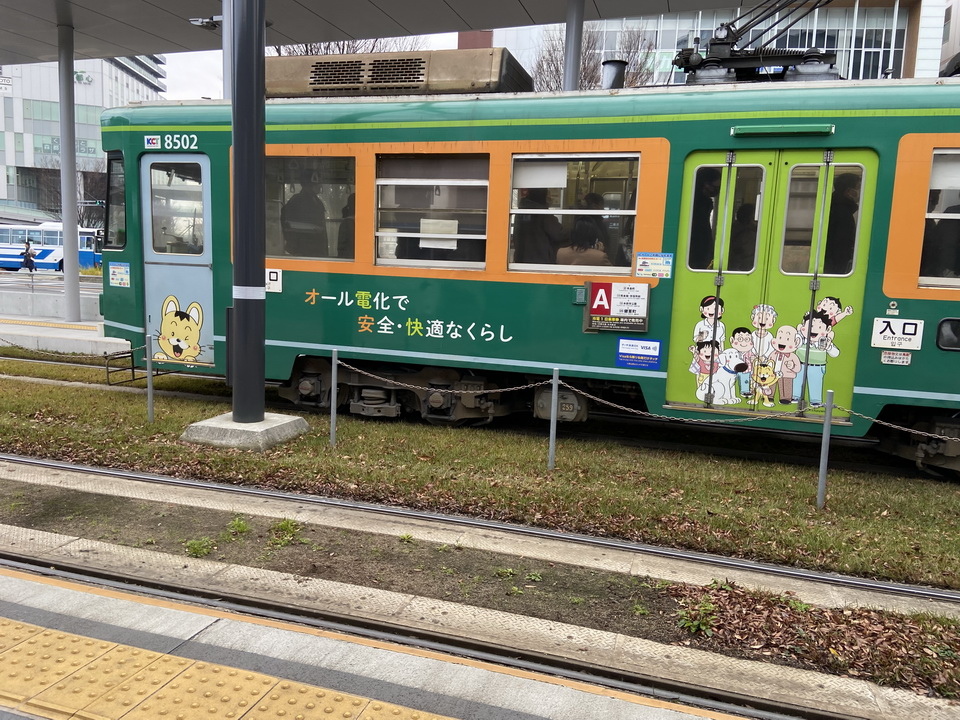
{"x": 579, "y": 596}
{"x": 721, "y": 618}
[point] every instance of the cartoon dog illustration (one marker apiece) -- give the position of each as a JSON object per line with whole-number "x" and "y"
{"x": 764, "y": 379}
{"x": 179, "y": 337}
{"x": 724, "y": 382}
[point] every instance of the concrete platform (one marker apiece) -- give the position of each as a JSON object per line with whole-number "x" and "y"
{"x": 222, "y": 431}
{"x": 786, "y": 687}
{"x": 48, "y": 334}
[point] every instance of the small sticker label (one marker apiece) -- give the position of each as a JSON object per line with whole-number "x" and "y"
{"x": 119, "y": 274}
{"x": 274, "y": 281}
{"x": 638, "y": 353}
{"x": 654, "y": 265}
{"x": 894, "y": 357}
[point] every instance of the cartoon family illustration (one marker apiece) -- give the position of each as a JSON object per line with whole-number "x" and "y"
{"x": 764, "y": 364}
{"x": 179, "y": 336}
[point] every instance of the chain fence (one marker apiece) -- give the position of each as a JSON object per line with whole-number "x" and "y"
{"x": 541, "y": 383}
{"x": 642, "y": 413}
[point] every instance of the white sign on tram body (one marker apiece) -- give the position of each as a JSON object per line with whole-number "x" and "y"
{"x": 897, "y": 333}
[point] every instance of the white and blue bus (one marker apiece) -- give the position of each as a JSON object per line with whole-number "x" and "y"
{"x": 46, "y": 240}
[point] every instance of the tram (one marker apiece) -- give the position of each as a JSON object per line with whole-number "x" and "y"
{"x": 752, "y": 247}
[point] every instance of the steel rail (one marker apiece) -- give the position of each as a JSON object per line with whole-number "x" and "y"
{"x": 718, "y": 561}
{"x": 517, "y": 658}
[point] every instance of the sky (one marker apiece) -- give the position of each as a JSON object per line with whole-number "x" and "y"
{"x": 195, "y": 75}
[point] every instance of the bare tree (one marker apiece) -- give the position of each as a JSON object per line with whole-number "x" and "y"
{"x": 353, "y": 46}
{"x": 632, "y": 47}
{"x": 91, "y": 189}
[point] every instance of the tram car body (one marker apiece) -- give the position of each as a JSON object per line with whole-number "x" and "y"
{"x": 742, "y": 249}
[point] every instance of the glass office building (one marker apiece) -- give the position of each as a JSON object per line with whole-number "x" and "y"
{"x": 870, "y": 42}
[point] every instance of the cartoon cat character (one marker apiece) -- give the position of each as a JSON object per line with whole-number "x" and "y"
{"x": 764, "y": 380}
{"x": 179, "y": 338}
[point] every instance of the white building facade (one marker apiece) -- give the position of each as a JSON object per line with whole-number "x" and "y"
{"x": 30, "y": 122}
{"x": 894, "y": 39}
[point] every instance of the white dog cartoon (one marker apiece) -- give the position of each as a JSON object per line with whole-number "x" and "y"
{"x": 723, "y": 382}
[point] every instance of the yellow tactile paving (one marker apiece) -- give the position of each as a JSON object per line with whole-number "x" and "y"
{"x": 36, "y": 323}
{"x": 61, "y": 676}
{"x": 43, "y": 659}
{"x": 13, "y": 633}
{"x": 206, "y": 690}
{"x": 102, "y": 676}
{"x": 305, "y": 702}
{"x": 134, "y": 688}
{"x": 386, "y": 711}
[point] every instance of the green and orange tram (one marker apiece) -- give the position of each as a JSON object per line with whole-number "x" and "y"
{"x": 699, "y": 252}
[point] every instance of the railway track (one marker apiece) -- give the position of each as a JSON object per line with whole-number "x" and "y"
{"x": 474, "y": 647}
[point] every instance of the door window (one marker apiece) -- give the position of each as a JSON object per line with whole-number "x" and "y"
{"x": 820, "y": 233}
{"x": 724, "y": 218}
{"x": 176, "y": 207}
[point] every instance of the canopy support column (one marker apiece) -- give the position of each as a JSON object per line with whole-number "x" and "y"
{"x": 68, "y": 176}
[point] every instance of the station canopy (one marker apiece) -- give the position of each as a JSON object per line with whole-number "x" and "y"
{"x": 120, "y": 28}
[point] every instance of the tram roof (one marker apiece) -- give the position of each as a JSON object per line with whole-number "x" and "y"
{"x": 119, "y": 28}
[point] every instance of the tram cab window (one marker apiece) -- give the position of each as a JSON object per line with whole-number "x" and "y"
{"x": 310, "y": 207}
{"x": 948, "y": 334}
{"x": 724, "y": 218}
{"x": 940, "y": 257}
{"x": 573, "y": 213}
{"x": 826, "y": 245}
{"x": 116, "y": 235}
{"x": 432, "y": 209}
{"x": 176, "y": 193}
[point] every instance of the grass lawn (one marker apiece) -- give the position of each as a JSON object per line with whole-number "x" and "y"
{"x": 902, "y": 529}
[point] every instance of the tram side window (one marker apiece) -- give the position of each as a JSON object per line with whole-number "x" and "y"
{"x": 573, "y": 210}
{"x": 116, "y": 235}
{"x": 176, "y": 194}
{"x": 432, "y": 208}
{"x": 310, "y": 207}
{"x": 940, "y": 257}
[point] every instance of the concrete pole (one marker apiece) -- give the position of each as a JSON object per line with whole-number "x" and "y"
{"x": 249, "y": 212}
{"x": 226, "y": 38}
{"x": 572, "y": 45}
{"x": 68, "y": 177}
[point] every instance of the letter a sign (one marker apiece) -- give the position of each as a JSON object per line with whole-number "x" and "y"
{"x": 617, "y": 306}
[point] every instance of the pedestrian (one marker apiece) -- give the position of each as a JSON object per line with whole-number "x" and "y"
{"x": 28, "y": 256}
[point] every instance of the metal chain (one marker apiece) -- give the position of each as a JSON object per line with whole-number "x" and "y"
{"x": 947, "y": 438}
{"x": 634, "y": 411}
{"x": 594, "y": 398}
{"x": 7, "y": 343}
{"x": 441, "y": 390}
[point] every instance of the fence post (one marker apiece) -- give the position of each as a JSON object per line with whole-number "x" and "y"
{"x": 825, "y": 451}
{"x": 149, "y": 347}
{"x": 554, "y": 407}
{"x": 333, "y": 399}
